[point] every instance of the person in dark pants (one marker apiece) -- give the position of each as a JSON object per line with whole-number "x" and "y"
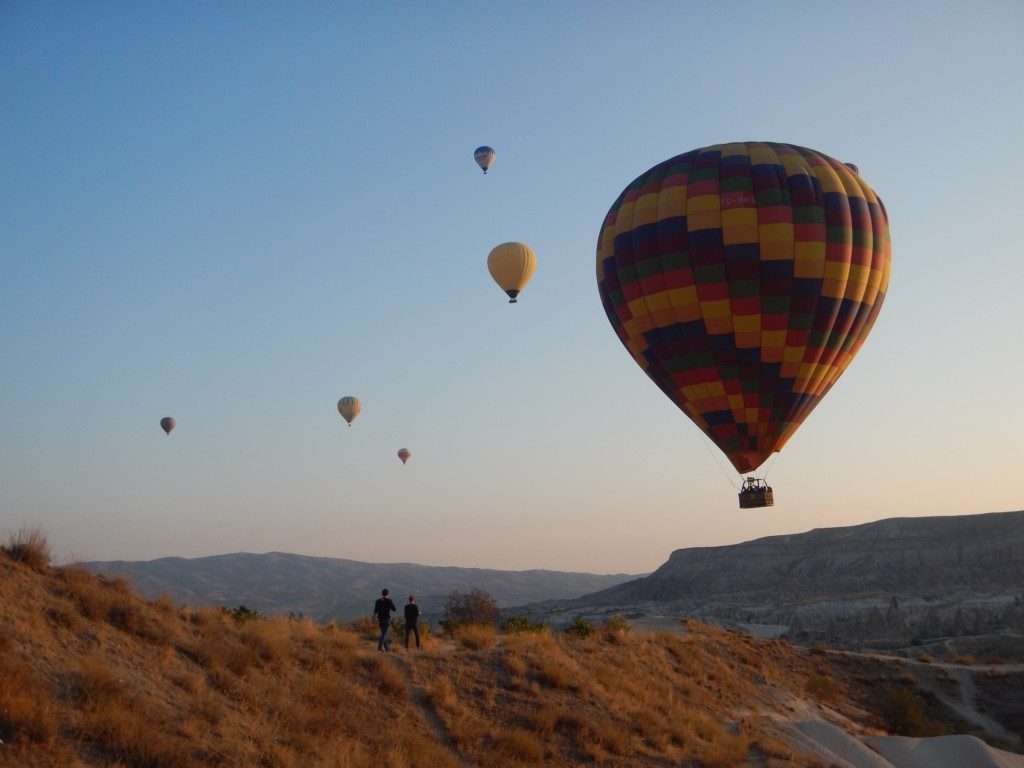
{"x": 412, "y": 617}
{"x": 383, "y": 609}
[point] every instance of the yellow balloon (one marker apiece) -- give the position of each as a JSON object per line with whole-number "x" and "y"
{"x": 511, "y": 265}
{"x": 349, "y": 407}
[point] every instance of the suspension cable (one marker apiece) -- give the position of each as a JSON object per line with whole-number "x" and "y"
{"x": 728, "y": 479}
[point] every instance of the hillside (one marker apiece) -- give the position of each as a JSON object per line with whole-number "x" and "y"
{"x": 948, "y": 575}
{"x": 93, "y": 675}
{"x": 326, "y": 588}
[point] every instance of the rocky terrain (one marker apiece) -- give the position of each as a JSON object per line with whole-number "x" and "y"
{"x": 886, "y": 583}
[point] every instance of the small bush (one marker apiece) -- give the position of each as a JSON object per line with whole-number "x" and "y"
{"x": 904, "y": 714}
{"x": 241, "y": 614}
{"x": 617, "y": 624}
{"x": 579, "y": 627}
{"x": 474, "y": 607}
{"x": 514, "y": 625}
{"x": 926, "y": 658}
{"x": 28, "y": 545}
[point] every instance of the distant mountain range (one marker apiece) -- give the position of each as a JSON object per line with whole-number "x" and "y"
{"x": 899, "y": 579}
{"x": 325, "y": 588}
{"x": 886, "y": 582}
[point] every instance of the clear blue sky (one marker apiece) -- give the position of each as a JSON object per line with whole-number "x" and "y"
{"x": 234, "y": 214}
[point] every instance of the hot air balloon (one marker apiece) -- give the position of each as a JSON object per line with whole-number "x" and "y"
{"x": 349, "y": 407}
{"x": 511, "y": 265}
{"x": 484, "y": 156}
{"x": 167, "y": 424}
{"x": 404, "y": 454}
{"x": 743, "y": 278}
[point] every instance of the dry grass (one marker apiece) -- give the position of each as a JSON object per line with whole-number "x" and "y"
{"x": 475, "y": 636}
{"x": 613, "y": 697}
{"x": 91, "y": 675}
{"x": 25, "y": 719}
{"x": 115, "y": 680}
{"x": 28, "y": 545}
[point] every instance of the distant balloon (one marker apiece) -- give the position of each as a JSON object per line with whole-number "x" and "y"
{"x": 349, "y": 407}
{"x": 743, "y": 278}
{"x": 167, "y": 424}
{"x": 404, "y": 454}
{"x": 512, "y": 265}
{"x": 484, "y": 157}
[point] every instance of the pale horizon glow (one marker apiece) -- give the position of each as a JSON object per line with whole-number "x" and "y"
{"x": 237, "y": 215}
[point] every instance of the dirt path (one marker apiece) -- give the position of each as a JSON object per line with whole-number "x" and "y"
{"x": 963, "y": 705}
{"x": 419, "y": 697}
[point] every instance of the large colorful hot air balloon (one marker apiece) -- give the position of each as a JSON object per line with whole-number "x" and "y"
{"x": 167, "y": 424}
{"x": 404, "y": 454}
{"x": 743, "y": 278}
{"x": 349, "y": 407}
{"x": 512, "y": 265}
{"x": 484, "y": 157}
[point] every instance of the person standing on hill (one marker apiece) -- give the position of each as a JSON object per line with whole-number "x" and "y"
{"x": 383, "y": 609}
{"x": 412, "y": 617}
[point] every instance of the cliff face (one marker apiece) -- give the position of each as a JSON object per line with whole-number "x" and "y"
{"x": 941, "y": 557}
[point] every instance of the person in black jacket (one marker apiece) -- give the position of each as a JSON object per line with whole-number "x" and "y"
{"x": 383, "y": 609}
{"x": 412, "y": 617}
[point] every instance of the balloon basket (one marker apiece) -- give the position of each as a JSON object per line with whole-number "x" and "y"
{"x": 756, "y": 493}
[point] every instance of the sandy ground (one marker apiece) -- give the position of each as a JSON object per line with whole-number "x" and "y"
{"x": 838, "y": 748}
{"x": 943, "y": 752}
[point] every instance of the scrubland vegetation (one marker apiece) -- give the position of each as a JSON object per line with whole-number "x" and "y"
{"x": 92, "y": 675}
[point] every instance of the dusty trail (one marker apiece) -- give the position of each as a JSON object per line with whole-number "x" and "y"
{"x": 419, "y": 697}
{"x": 962, "y": 674}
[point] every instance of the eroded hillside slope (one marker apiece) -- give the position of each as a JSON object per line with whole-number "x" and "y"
{"x": 93, "y": 675}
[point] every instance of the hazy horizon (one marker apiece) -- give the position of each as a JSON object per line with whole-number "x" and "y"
{"x": 236, "y": 216}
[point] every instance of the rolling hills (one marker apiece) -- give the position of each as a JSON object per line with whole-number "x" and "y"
{"x": 325, "y": 588}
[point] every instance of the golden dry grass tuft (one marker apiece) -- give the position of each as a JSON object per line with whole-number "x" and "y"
{"x": 28, "y": 545}
{"x": 475, "y": 636}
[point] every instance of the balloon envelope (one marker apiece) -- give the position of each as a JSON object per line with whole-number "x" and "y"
{"x": 484, "y": 157}
{"x": 167, "y": 424}
{"x": 404, "y": 454}
{"x": 743, "y": 278}
{"x": 512, "y": 265}
{"x": 349, "y": 407}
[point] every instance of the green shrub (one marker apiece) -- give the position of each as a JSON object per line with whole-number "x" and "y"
{"x": 580, "y": 627}
{"x": 241, "y": 614}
